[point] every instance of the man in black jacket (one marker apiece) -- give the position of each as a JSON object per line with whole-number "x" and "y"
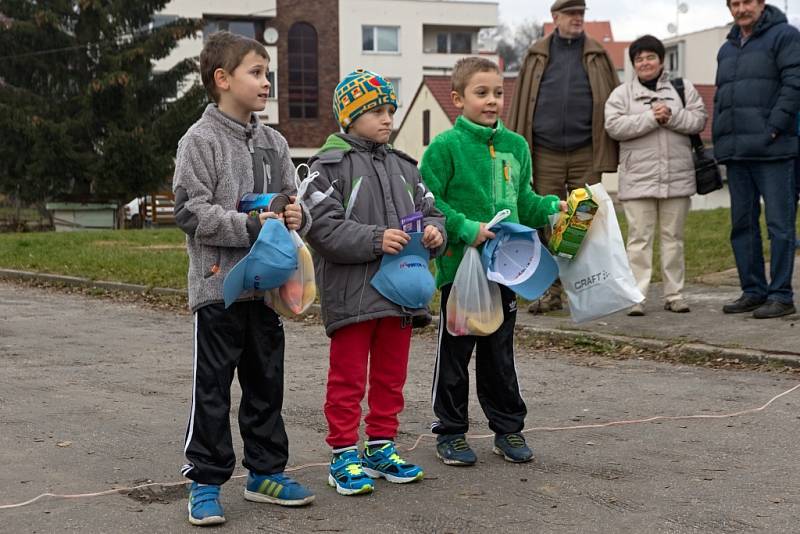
{"x": 754, "y": 131}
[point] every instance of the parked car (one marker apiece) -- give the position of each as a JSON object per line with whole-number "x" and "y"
{"x": 150, "y": 210}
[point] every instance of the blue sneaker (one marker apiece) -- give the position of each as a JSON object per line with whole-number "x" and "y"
{"x": 453, "y": 449}
{"x": 512, "y": 447}
{"x": 347, "y": 475}
{"x": 382, "y": 460}
{"x": 204, "y": 506}
{"x": 276, "y": 489}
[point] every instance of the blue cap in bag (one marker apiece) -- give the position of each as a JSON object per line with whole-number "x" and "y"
{"x": 270, "y": 262}
{"x": 516, "y": 258}
{"x": 404, "y": 278}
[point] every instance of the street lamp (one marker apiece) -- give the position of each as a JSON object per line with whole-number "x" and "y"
{"x": 680, "y": 7}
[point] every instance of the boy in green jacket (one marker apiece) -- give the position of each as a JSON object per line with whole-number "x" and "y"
{"x": 474, "y": 170}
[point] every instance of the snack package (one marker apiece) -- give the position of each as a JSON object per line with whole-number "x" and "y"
{"x": 571, "y": 227}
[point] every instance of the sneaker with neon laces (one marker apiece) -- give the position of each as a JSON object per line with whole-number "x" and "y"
{"x": 453, "y": 449}
{"x": 382, "y": 460}
{"x": 347, "y": 475}
{"x": 204, "y": 506}
{"x": 512, "y": 448}
{"x": 276, "y": 489}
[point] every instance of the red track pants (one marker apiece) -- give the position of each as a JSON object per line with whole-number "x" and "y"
{"x": 380, "y": 345}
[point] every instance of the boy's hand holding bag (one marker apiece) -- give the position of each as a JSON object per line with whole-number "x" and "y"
{"x": 474, "y": 307}
{"x": 598, "y": 280}
{"x": 298, "y": 293}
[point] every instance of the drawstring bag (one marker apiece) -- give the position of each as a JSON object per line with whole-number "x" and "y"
{"x": 298, "y": 293}
{"x": 598, "y": 280}
{"x": 474, "y": 307}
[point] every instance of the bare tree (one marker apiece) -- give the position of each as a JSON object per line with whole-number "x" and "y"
{"x": 511, "y": 43}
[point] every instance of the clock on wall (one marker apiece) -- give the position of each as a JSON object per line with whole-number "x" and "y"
{"x": 270, "y": 35}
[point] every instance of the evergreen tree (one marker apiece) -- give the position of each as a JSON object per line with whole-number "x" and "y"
{"x": 83, "y": 114}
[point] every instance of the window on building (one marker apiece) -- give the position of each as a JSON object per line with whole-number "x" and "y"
{"x": 426, "y": 127}
{"x": 396, "y": 84}
{"x": 249, "y": 28}
{"x": 303, "y": 72}
{"x": 380, "y": 39}
{"x": 273, "y": 89}
{"x": 672, "y": 61}
{"x": 454, "y": 43}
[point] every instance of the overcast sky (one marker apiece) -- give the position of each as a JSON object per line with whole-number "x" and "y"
{"x": 632, "y": 18}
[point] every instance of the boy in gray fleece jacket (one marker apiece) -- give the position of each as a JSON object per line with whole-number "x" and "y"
{"x": 224, "y": 155}
{"x": 363, "y": 190}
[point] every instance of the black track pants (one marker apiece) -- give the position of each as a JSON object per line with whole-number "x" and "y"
{"x": 495, "y": 374}
{"x": 247, "y": 337}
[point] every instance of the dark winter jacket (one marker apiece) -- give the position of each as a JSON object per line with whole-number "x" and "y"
{"x": 758, "y": 92}
{"x": 362, "y": 189}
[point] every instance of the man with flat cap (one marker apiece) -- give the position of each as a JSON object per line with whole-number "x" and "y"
{"x": 558, "y": 106}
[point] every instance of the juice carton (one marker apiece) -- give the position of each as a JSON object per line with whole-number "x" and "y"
{"x": 571, "y": 228}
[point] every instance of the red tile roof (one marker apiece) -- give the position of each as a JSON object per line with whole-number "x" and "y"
{"x": 600, "y": 30}
{"x": 441, "y": 87}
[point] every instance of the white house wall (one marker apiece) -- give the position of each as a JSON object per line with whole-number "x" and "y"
{"x": 191, "y": 47}
{"x": 409, "y": 138}
{"x": 410, "y": 16}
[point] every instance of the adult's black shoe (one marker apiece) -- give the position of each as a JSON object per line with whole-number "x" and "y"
{"x": 743, "y": 304}
{"x": 772, "y": 309}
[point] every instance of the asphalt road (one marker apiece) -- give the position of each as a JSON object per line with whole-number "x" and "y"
{"x": 94, "y": 395}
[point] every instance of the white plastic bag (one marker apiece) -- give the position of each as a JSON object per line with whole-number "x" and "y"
{"x": 598, "y": 280}
{"x": 298, "y": 293}
{"x": 474, "y": 307}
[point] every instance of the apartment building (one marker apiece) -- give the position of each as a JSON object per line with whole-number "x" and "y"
{"x": 313, "y": 43}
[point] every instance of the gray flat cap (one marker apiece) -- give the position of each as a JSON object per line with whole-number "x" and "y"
{"x": 561, "y": 5}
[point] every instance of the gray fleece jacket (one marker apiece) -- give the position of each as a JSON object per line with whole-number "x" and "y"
{"x": 219, "y": 160}
{"x": 362, "y": 189}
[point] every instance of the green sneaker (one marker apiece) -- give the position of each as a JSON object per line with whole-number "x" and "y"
{"x": 382, "y": 460}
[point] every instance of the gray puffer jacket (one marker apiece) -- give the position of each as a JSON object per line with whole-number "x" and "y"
{"x": 219, "y": 160}
{"x": 362, "y": 189}
{"x": 655, "y": 161}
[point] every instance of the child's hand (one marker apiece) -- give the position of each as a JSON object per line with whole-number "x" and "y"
{"x": 562, "y": 205}
{"x": 293, "y": 216}
{"x": 394, "y": 241}
{"x": 432, "y": 237}
{"x": 263, "y": 216}
{"x": 483, "y": 234}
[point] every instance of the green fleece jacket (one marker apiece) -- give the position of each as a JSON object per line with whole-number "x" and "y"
{"x": 475, "y": 171}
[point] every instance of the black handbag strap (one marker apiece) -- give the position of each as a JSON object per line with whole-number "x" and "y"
{"x": 697, "y": 143}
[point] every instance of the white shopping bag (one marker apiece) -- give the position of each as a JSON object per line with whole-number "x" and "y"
{"x": 598, "y": 280}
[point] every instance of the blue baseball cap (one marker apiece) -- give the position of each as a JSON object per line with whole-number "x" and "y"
{"x": 516, "y": 258}
{"x": 404, "y": 278}
{"x": 271, "y": 261}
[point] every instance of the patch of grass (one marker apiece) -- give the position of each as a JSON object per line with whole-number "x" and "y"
{"x": 148, "y": 257}
{"x": 707, "y": 245}
{"x": 158, "y": 258}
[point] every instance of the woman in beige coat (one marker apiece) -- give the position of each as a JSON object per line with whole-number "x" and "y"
{"x": 656, "y": 170}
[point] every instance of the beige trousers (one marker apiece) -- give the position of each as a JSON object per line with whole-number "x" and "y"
{"x": 670, "y": 215}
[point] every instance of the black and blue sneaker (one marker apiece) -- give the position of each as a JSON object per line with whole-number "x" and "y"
{"x": 512, "y": 448}
{"x": 276, "y": 489}
{"x": 453, "y": 449}
{"x": 204, "y": 506}
{"x": 347, "y": 475}
{"x": 382, "y": 460}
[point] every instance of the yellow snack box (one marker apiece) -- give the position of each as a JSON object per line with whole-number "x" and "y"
{"x": 572, "y": 225}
